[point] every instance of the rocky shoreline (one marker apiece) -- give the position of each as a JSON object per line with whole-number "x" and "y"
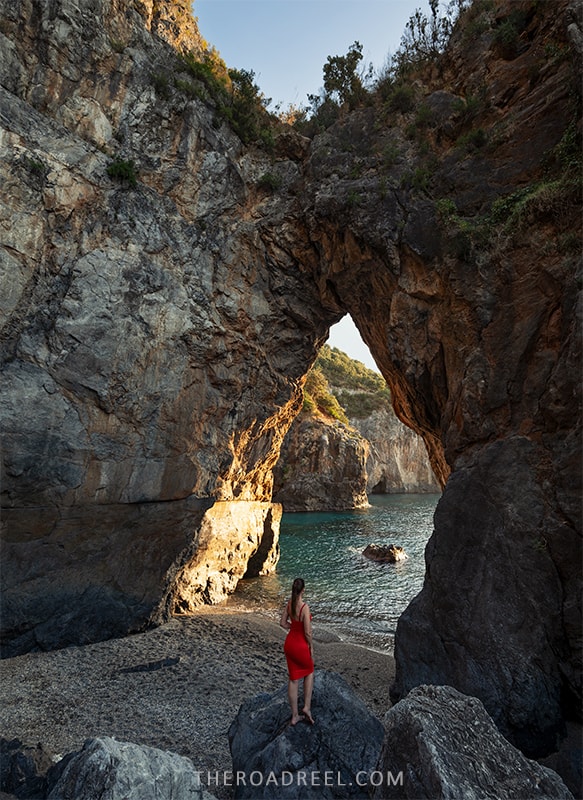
{"x": 177, "y": 687}
{"x": 180, "y": 686}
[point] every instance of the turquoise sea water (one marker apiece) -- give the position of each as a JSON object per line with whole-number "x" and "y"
{"x": 357, "y": 598}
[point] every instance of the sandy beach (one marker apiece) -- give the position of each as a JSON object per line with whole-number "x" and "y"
{"x": 177, "y": 687}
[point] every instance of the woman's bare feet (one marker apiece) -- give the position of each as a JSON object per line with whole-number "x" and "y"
{"x": 295, "y": 720}
{"x": 308, "y": 716}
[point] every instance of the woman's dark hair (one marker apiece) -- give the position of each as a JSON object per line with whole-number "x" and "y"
{"x": 297, "y": 589}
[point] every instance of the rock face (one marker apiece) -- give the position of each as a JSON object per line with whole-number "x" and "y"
{"x": 155, "y": 337}
{"x": 440, "y": 743}
{"x": 493, "y": 393}
{"x": 326, "y": 465}
{"x": 332, "y": 758}
{"x": 103, "y": 768}
{"x": 128, "y": 571}
{"x": 322, "y": 467}
{"x": 114, "y": 770}
{"x": 397, "y": 460}
{"x": 153, "y": 349}
{"x": 23, "y": 769}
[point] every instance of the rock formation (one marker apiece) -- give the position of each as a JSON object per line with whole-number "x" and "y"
{"x": 386, "y": 553}
{"x": 155, "y": 336}
{"x": 325, "y": 464}
{"x": 163, "y": 301}
{"x": 443, "y": 744}
{"x": 103, "y": 768}
{"x": 109, "y": 769}
{"x": 332, "y": 758}
{"x": 397, "y": 460}
{"x": 419, "y": 261}
{"x": 322, "y": 467}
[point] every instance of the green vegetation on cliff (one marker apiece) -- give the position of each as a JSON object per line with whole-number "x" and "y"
{"x": 341, "y": 387}
{"x": 442, "y": 125}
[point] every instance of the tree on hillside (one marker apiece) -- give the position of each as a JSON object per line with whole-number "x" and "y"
{"x": 426, "y": 37}
{"x": 341, "y": 79}
{"x": 318, "y": 398}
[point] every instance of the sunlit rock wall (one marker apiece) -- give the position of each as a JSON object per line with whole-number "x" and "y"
{"x": 155, "y": 338}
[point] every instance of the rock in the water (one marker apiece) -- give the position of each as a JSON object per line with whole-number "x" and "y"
{"x": 114, "y": 770}
{"x": 386, "y": 553}
{"x": 332, "y": 758}
{"x": 440, "y": 743}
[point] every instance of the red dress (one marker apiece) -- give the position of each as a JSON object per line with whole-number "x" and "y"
{"x": 297, "y": 650}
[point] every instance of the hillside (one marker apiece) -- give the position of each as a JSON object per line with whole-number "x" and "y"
{"x": 358, "y": 389}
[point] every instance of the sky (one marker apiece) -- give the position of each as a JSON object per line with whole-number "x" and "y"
{"x": 286, "y": 43}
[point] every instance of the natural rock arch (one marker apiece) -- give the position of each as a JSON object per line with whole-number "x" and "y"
{"x": 155, "y": 342}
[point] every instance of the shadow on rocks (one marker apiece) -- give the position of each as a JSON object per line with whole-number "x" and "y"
{"x": 440, "y": 743}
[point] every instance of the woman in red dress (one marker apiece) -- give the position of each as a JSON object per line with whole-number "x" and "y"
{"x": 298, "y": 649}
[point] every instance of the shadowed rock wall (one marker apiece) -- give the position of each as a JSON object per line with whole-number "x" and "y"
{"x": 475, "y": 325}
{"x": 322, "y": 467}
{"x": 155, "y": 339}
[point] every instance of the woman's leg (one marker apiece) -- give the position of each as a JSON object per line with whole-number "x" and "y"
{"x": 292, "y": 693}
{"x": 308, "y": 687}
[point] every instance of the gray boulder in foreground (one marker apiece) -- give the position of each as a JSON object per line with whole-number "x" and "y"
{"x": 112, "y": 770}
{"x": 440, "y": 743}
{"x": 332, "y": 758}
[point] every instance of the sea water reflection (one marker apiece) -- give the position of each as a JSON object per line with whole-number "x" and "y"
{"x": 358, "y": 598}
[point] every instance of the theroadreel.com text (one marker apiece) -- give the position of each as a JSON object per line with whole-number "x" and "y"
{"x": 300, "y": 778}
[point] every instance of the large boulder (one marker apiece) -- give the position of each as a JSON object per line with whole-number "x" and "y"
{"x": 385, "y": 553}
{"x": 332, "y": 758}
{"x": 113, "y": 770}
{"x": 23, "y": 768}
{"x": 440, "y": 743}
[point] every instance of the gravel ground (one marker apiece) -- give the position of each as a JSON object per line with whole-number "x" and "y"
{"x": 177, "y": 687}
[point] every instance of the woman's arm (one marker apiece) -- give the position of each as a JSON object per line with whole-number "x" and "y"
{"x": 284, "y": 619}
{"x": 307, "y": 620}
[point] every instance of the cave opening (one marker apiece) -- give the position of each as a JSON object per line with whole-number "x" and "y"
{"x": 344, "y": 484}
{"x": 346, "y": 337}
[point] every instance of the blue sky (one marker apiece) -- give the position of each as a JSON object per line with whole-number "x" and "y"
{"x": 286, "y": 43}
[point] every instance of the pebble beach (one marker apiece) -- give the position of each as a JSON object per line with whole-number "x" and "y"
{"x": 176, "y": 687}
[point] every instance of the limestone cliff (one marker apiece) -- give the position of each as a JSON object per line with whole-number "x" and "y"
{"x": 322, "y": 466}
{"x": 155, "y": 336}
{"x": 468, "y": 254}
{"x": 397, "y": 461}
{"x": 166, "y": 288}
{"x": 397, "y": 457}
